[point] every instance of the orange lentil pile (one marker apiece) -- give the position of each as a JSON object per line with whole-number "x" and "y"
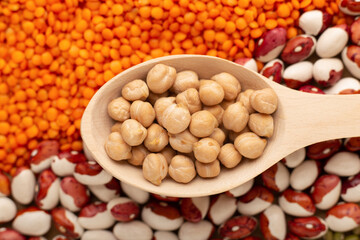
{"x": 54, "y": 54}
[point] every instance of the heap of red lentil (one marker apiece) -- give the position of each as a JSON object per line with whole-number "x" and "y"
{"x": 54, "y": 54}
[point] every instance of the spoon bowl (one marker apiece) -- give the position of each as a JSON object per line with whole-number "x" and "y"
{"x": 300, "y": 120}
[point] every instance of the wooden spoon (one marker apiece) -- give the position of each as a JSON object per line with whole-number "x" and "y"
{"x": 301, "y": 119}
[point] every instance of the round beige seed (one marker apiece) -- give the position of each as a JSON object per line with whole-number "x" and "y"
{"x": 138, "y": 155}
{"x": 229, "y": 83}
{"x": 261, "y": 124}
{"x": 182, "y": 142}
{"x": 190, "y": 98}
{"x": 143, "y": 112}
{"x": 229, "y": 156}
{"x": 155, "y": 168}
{"x": 210, "y": 92}
{"x": 235, "y": 117}
{"x": 182, "y": 169}
{"x": 135, "y": 90}
{"x": 185, "y": 80}
{"x": 208, "y": 170}
{"x": 264, "y": 100}
{"x": 119, "y": 109}
{"x": 250, "y": 145}
{"x": 133, "y": 132}
{"x": 156, "y": 139}
{"x": 160, "y": 78}
{"x": 206, "y": 150}
{"x": 244, "y": 98}
{"x": 116, "y": 148}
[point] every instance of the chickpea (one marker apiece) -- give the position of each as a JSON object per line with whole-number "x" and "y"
{"x": 182, "y": 142}
{"x": 138, "y": 155}
{"x": 206, "y": 150}
{"x": 218, "y": 135}
{"x": 116, "y": 127}
{"x": 156, "y": 139}
{"x": 261, "y": 124}
{"x": 190, "y": 98}
{"x": 229, "y": 83}
{"x": 135, "y": 90}
{"x": 202, "y": 124}
{"x": 168, "y": 153}
{"x": 208, "y": 170}
{"x": 244, "y": 98}
{"x": 116, "y": 148}
{"x": 142, "y": 112}
{"x": 160, "y": 105}
{"x": 182, "y": 169}
{"x": 264, "y": 100}
{"x": 210, "y": 92}
{"x": 155, "y": 168}
{"x": 229, "y": 156}
{"x": 235, "y": 117}
{"x": 217, "y": 111}
{"x": 133, "y": 132}
{"x": 225, "y": 104}
{"x": 154, "y": 97}
{"x": 176, "y": 118}
{"x": 160, "y": 78}
{"x": 185, "y": 80}
{"x": 119, "y": 109}
{"x": 250, "y": 145}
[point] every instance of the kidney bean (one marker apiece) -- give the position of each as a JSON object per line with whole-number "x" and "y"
{"x": 238, "y": 227}
{"x": 123, "y": 209}
{"x": 343, "y": 164}
{"x": 294, "y": 159}
{"x": 98, "y": 234}
{"x": 91, "y": 173}
{"x": 8, "y": 209}
{"x": 10, "y": 234}
{"x": 65, "y": 162}
{"x": 161, "y": 216}
{"x": 304, "y": 175}
{"x": 95, "y": 216}
{"x": 344, "y": 85}
{"x": 106, "y": 192}
{"x": 270, "y": 44}
{"x": 298, "y": 74}
{"x": 351, "y": 144}
{"x": 351, "y": 58}
{"x": 273, "y": 223}
{"x": 43, "y": 154}
{"x": 240, "y": 190}
{"x": 332, "y": 41}
{"x": 196, "y": 231}
{"x": 326, "y": 191}
{"x": 350, "y": 190}
{"x": 328, "y": 71}
{"x": 290, "y": 236}
{"x": 249, "y": 63}
{"x": 165, "y": 198}
{"x": 355, "y": 32}
{"x": 298, "y": 49}
{"x": 222, "y": 207}
{"x": 314, "y": 22}
{"x": 255, "y": 201}
{"x": 47, "y": 190}
{"x": 311, "y": 89}
{"x": 73, "y": 195}
{"x": 67, "y": 222}
{"x": 323, "y": 149}
{"x": 4, "y": 185}
{"x": 194, "y": 209}
{"x": 296, "y": 203}
{"x": 343, "y": 217}
{"x": 138, "y": 195}
{"x": 251, "y": 238}
{"x": 276, "y": 177}
{"x": 23, "y": 185}
{"x": 165, "y": 235}
{"x": 32, "y": 221}
{"x": 350, "y": 7}
{"x": 132, "y": 230}
{"x": 273, "y": 70}
{"x": 308, "y": 227}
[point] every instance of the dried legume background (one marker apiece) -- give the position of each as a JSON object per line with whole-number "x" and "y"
{"x": 55, "y": 54}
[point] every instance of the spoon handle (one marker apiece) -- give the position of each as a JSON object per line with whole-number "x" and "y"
{"x": 312, "y": 118}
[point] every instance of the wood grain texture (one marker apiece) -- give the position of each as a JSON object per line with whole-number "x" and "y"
{"x": 301, "y": 119}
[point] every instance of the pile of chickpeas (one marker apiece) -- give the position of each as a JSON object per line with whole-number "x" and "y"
{"x": 176, "y": 124}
